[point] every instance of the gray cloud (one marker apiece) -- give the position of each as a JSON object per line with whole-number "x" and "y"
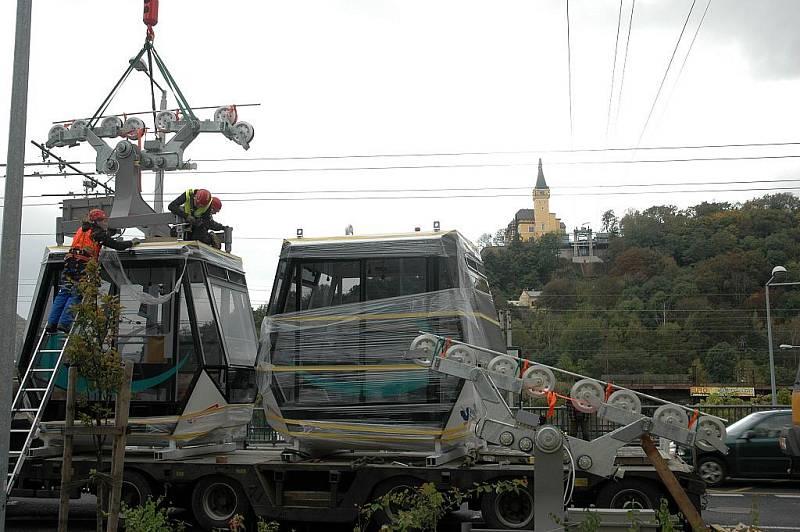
{"x": 766, "y": 31}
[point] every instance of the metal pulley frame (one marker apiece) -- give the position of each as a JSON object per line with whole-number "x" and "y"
{"x": 126, "y": 160}
{"x": 521, "y": 429}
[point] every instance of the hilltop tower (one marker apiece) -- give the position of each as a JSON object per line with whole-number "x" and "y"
{"x": 530, "y": 224}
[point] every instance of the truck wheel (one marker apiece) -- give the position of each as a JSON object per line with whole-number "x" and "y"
{"x": 136, "y": 489}
{"x": 508, "y": 510}
{"x": 216, "y": 499}
{"x": 712, "y": 470}
{"x": 630, "y": 494}
{"x": 386, "y": 517}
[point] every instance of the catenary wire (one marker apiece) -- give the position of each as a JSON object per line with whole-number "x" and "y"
{"x": 613, "y": 69}
{"x": 624, "y": 65}
{"x": 685, "y": 58}
{"x": 569, "y": 76}
{"x": 666, "y": 72}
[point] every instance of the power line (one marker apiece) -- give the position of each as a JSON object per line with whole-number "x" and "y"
{"x": 661, "y": 85}
{"x": 484, "y": 196}
{"x": 613, "y": 70}
{"x": 686, "y": 57}
{"x": 569, "y": 76}
{"x": 461, "y": 165}
{"x": 486, "y": 153}
{"x": 624, "y": 64}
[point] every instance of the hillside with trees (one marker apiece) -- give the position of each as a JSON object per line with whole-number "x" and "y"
{"x": 681, "y": 292}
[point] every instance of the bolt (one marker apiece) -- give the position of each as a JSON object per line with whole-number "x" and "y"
{"x": 506, "y": 438}
{"x": 548, "y": 439}
{"x": 585, "y": 462}
{"x": 525, "y": 445}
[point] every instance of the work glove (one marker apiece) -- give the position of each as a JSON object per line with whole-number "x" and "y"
{"x": 190, "y": 219}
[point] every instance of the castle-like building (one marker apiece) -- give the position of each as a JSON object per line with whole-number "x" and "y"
{"x": 530, "y": 224}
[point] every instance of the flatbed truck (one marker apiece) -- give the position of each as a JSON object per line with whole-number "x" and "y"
{"x": 273, "y": 484}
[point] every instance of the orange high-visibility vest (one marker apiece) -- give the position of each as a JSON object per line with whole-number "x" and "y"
{"x": 83, "y": 246}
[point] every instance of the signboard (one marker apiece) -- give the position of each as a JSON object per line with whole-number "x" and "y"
{"x": 731, "y": 391}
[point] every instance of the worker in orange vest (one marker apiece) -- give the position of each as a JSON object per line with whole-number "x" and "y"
{"x": 86, "y": 244}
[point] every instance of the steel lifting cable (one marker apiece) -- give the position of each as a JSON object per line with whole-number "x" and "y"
{"x": 150, "y": 75}
{"x": 176, "y": 91}
{"x": 107, "y": 101}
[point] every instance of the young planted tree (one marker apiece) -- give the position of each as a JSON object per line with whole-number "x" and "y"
{"x": 91, "y": 349}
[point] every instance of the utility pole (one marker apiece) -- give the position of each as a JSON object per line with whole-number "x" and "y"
{"x": 12, "y": 225}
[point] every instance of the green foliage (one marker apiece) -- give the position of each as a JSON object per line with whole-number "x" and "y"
{"x": 681, "y": 292}
{"x": 150, "y": 517}
{"x": 421, "y": 508}
{"x": 264, "y": 526}
{"x": 259, "y": 314}
{"x": 99, "y": 366}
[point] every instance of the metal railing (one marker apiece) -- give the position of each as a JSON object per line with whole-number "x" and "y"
{"x": 586, "y": 425}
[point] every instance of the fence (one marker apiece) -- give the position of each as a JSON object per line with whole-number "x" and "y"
{"x": 260, "y": 433}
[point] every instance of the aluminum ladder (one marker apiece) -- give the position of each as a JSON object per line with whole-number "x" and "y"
{"x": 32, "y": 396}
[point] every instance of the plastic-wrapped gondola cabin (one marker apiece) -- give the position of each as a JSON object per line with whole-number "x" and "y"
{"x": 332, "y": 362}
{"x": 187, "y": 325}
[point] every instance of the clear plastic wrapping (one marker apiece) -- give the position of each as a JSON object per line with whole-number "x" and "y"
{"x": 337, "y": 376}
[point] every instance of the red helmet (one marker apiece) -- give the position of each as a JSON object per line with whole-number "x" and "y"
{"x": 201, "y": 197}
{"x": 95, "y": 215}
{"x": 216, "y": 205}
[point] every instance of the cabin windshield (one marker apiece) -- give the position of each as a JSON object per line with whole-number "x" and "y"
{"x": 236, "y": 320}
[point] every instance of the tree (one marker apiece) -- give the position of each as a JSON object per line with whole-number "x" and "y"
{"x": 259, "y": 313}
{"x": 483, "y": 241}
{"x": 92, "y": 350}
{"x": 610, "y": 223}
{"x": 720, "y": 361}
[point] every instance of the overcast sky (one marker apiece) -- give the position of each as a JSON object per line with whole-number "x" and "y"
{"x": 409, "y": 77}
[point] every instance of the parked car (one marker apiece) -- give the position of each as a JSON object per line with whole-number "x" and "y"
{"x": 753, "y": 451}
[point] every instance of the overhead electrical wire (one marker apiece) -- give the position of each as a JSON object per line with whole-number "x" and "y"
{"x": 613, "y": 69}
{"x": 483, "y": 196}
{"x": 666, "y": 72}
{"x": 685, "y": 58}
{"x": 474, "y": 153}
{"x": 624, "y": 65}
{"x": 448, "y": 165}
{"x": 569, "y": 76}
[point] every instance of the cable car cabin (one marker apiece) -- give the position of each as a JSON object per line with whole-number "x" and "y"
{"x": 333, "y": 368}
{"x": 186, "y": 323}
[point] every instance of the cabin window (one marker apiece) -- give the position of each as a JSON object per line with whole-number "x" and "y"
{"x": 236, "y": 318}
{"x": 395, "y": 277}
{"x": 327, "y": 284}
{"x": 206, "y": 324}
{"x": 242, "y": 386}
{"x": 274, "y": 300}
{"x": 187, "y": 356}
{"x": 145, "y": 331}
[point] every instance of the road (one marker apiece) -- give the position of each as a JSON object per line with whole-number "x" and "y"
{"x": 775, "y": 506}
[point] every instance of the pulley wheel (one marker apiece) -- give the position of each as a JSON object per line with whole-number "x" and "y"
{"x": 243, "y": 133}
{"x": 671, "y": 415}
{"x": 503, "y": 365}
{"x": 463, "y": 354}
{"x": 111, "y": 122}
{"x": 225, "y": 114}
{"x": 131, "y": 127}
{"x": 164, "y": 119}
{"x": 78, "y": 125}
{"x": 537, "y": 381}
{"x": 55, "y": 132}
{"x": 710, "y": 433}
{"x": 585, "y": 394}
{"x": 626, "y": 400}
{"x": 425, "y": 346}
